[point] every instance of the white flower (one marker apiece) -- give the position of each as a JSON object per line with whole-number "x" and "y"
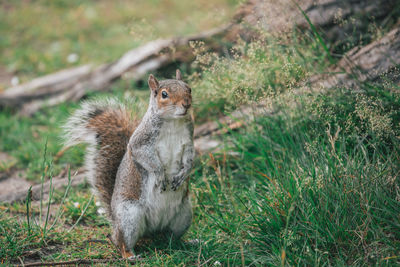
{"x": 98, "y": 203}
{"x": 101, "y": 211}
{"x": 77, "y": 205}
{"x": 14, "y": 81}
{"x": 72, "y": 58}
{"x": 217, "y": 263}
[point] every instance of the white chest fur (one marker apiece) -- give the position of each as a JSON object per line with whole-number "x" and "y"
{"x": 162, "y": 207}
{"x": 174, "y": 136}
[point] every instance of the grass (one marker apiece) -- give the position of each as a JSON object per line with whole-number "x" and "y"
{"x": 289, "y": 192}
{"x": 95, "y": 31}
{"x": 309, "y": 199}
{"x": 315, "y": 184}
{"x": 254, "y": 72}
{"x": 25, "y": 138}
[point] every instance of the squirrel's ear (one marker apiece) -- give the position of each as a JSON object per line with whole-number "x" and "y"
{"x": 178, "y": 75}
{"x": 153, "y": 83}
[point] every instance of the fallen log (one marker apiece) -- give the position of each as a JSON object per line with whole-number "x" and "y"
{"x": 73, "y": 84}
{"x": 340, "y": 22}
{"x": 337, "y": 19}
{"x": 369, "y": 63}
{"x": 362, "y": 64}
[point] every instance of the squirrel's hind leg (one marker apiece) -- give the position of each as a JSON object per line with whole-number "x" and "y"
{"x": 128, "y": 227}
{"x": 182, "y": 220}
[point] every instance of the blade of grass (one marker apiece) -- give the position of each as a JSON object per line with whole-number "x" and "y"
{"x": 28, "y": 205}
{"x": 42, "y": 182}
{"x": 51, "y": 191}
{"x": 83, "y": 213}
{"x": 59, "y": 212}
{"x": 316, "y": 34}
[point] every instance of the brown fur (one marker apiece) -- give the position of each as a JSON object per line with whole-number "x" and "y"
{"x": 114, "y": 128}
{"x": 132, "y": 187}
{"x": 175, "y": 97}
{"x": 187, "y": 189}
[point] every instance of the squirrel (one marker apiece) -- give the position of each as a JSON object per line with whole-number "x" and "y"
{"x": 139, "y": 170}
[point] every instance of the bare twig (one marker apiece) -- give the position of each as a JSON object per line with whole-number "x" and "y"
{"x": 77, "y": 262}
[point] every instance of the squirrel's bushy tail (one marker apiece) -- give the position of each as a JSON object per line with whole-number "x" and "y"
{"x": 106, "y": 126}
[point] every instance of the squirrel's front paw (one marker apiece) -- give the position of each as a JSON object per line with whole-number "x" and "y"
{"x": 163, "y": 186}
{"x": 177, "y": 180}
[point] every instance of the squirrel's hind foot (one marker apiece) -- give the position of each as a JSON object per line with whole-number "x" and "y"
{"x": 126, "y": 254}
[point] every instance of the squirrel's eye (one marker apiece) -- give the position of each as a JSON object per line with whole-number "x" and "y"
{"x": 164, "y": 94}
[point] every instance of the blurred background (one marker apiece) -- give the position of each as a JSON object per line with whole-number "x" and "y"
{"x": 43, "y": 37}
{"x": 40, "y": 37}
{"x": 297, "y": 127}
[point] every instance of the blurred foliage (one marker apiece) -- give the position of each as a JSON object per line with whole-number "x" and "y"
{"x": 39, "y": 37}
{"x": 315, "y": 184}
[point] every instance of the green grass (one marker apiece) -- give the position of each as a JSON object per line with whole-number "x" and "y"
{"x": 288, "y": 192}
{"x": 306, "y": 199}
{"x": 315, "y": 184}
{"x": 25, "y": 138}
{"x": 37, "y": 37}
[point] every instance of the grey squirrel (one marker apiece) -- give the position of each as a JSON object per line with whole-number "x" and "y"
{"x": 139, "y": 170}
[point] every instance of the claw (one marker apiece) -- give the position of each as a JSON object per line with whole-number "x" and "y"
{"x": 133, "y": 258}
{"x": 126, "y": 254}
{"x": 163, "y": 186}
{"x": 177, "y": 181}
{"x": 173, "y": 187}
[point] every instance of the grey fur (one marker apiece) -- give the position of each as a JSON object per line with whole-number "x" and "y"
{"x": 158, "y": 159}
{"x": 164, "y": 204}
